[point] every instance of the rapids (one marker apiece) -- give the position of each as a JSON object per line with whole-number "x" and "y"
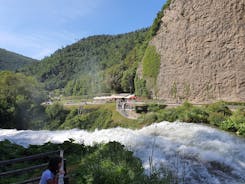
{"x": 194, "y": 152}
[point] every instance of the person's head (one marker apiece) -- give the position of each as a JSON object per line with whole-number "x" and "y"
{"x": 54, "y": 164}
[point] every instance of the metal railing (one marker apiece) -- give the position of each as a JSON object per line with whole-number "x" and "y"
{"x": 20, "y": 171}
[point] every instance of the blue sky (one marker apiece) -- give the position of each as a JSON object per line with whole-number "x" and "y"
{"x": 36, "y": 28}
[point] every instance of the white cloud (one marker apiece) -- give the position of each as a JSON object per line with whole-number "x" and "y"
{"x": 38, "y": 28}
{"x": 35, "y": 45}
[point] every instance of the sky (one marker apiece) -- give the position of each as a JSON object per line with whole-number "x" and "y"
{"x": 36, "y": 28}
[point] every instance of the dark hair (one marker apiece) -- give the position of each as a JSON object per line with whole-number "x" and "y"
{"x": 53, "y": 165}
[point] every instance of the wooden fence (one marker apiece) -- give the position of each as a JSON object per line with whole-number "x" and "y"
{"x": 8, "y": 173}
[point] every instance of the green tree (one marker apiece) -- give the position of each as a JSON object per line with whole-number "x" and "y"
{"x": 56, "y": 115}
{"x": 20, "y": 99}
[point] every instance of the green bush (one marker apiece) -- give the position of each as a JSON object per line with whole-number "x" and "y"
{"x": 228, "y": 125}
{"x": 110, "y": 164}
{"x": 91, "y": 120}
{"x": 153, "y": 107}
{"x": 241, "y": 129}
{"x": 149, "y": 118}
{"x": 236, "y": 122}
{"x": 194, "y": 115}
{"x": 218, "y": 112}
{"x": 170, "y": 115}
{"x": 185, "y": 113}
{"x": 219, "y": 107}
{"x": 56, "y": 116}
{"x": 216, "y": 118}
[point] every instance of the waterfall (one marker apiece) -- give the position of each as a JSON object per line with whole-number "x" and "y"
{"x": 196, "y": 152}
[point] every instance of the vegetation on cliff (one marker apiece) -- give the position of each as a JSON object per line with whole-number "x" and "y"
{"x": 157, "y": 21}
{"x": 151, "y": 63}
{"x": 151, "y": 67}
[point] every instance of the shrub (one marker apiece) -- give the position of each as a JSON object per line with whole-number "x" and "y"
{"x": 236, "y": 122}
{"x": 241, "y": 129}
{"x": 155, "y": 107}
{"x": 170, "y": 115}
{"x": 219, "y": 107}
{"x": 91, "y": 120}
{"x": 218, "y": 112}
{"x": 110, "y": 164}
{"x": 194, "y": 115}
{"x": 189, "y": 113}
{"x": 148, "y": 119}
{"x": 186, "y": 113}
{"x": 56, "y": 115}
{"x": 216, "y": 118}
{"x": 228, "y": 125}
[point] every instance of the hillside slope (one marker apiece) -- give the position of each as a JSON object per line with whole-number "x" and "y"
{"x": 202, "y": 49}
{"x": 12, "y": 61}
{"x": 92, "y": 65}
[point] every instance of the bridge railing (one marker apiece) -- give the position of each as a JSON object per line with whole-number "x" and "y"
{"x": 30, "y": 169}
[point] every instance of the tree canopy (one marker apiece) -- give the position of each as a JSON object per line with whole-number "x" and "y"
{"x": 20, "y": 99}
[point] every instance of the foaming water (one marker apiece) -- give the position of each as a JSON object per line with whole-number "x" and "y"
{"x": 197, "y": 153}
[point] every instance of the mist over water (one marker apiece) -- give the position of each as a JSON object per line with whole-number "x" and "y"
{"x": 197, "y": 153}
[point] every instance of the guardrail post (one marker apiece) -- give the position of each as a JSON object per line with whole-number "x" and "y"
{"x": 61, "y": 175}
{"x": 66, "y": 179}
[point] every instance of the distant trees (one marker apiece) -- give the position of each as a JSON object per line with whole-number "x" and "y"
{"x": 56, "y": 115}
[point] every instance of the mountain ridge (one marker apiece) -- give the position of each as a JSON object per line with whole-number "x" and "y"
{"x": 12, "y": 61}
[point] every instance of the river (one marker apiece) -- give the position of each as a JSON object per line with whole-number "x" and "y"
{"x": 195, "y": 152}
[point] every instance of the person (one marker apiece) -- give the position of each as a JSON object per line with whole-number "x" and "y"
{"x": 49, "y": 176}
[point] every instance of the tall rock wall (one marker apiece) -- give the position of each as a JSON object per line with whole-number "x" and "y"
{"x": 202, "y": 49}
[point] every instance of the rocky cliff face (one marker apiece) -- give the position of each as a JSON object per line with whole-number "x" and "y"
{"x": 202, "y": 49}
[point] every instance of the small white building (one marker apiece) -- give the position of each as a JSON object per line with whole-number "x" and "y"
{"x": 115, "y": 97}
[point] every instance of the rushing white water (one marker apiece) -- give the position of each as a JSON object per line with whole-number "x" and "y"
{"x": 197, "y": 153}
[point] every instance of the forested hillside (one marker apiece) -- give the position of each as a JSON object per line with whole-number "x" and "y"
{"x": 96, "y": 64}
{"x": 12, "y": 61}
